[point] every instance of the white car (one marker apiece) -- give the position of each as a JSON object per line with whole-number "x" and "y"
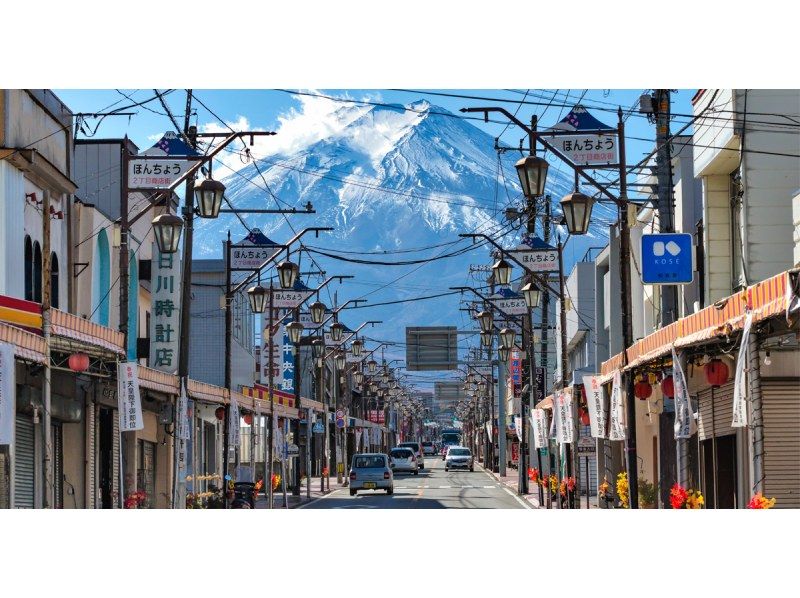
{"x": 459, "y": 457}
{"x": 403, "y": 459}
{"x": 417, "y": 448}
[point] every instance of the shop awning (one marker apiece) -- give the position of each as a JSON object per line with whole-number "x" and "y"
{"x": 158, "y": 380}
{"x": 767, "y": 299}
{"x": 26, "y": 344}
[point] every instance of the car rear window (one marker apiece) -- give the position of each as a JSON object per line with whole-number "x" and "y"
{"x": 427, "y": 444}
{"x": 367, "y": 462}
{"x": 402, "y": 453}
{"x": 411, "y": 445}
{"x": 460, "y": 452}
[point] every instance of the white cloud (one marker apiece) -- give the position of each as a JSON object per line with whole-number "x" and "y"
{"x": 316, "y": 118}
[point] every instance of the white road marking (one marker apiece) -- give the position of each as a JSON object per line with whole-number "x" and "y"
{"x": 445, "y": 486}
{"x": 521, "y": 501}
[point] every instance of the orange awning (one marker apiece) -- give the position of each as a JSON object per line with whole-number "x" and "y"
{"x": 766, "y": 299}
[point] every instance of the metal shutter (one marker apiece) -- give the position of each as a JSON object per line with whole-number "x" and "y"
{"x": 115, "y": 462}
{"x": 91, "y": 460}
{"x": 715, "y": 416}
{"x": 24, "y": 463}
{"x": 781, "y": 412}
{"x": 57, "y": 433}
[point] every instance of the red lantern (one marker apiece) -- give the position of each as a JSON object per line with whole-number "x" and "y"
{"x": 716, "y": 372}
{"x": 220, "y": 413}
{"x": 642, "y": 390}
{"x": 584, "y": 417}
{"x": 79, "y": 362}
{"x": 248, "y": 419}
{"x": 668, "y": 387}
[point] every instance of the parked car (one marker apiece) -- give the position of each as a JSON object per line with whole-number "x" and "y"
{"x": 428, "y": 448}
{"x": 417, "y": 448}
{"x": 403, "y": 459}
{"x": 370, "y": 471}
{"x": 459, "y": 456}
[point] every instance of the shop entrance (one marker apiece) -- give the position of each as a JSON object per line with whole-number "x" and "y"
{"x": 106, "y": 457}
{"x": 718, "y": 456}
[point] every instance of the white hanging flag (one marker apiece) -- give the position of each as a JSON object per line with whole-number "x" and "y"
{"x": 617, "y": 415}
{"x": 129, "y": 399}
{"x": 565, "y": 423}
{"x": 539, "y": 423}
{"x": 739, "y": 386}
{"x": 182, "y": 418}
{"x": 596, "y": 406}
{"x": 518, "y": 427}
{"x": 685, "y": 424}
{"x": 234, "y": 422}
{"x": 7, "y": 393}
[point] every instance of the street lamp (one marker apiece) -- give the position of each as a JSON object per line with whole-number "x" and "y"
{"x": 337, "y": 328}
{"x": 485, "y": 319}
{"x": 295, "y": 330}
{"x": 287, "y": 274}
{"x": 317, "y": 310}
{"x": 507, "y": 337}
{"x": 356, "y": 347}
{"x": 502, "y": 272}
{"x": 372, "y": 365}
{"x": 577, "y": 208}
{"x": 359, "y": 378}
{"x": 482, "y": 387}
{"x": 532, "y": 172}
{"x": 167, "y": 231}
{"x": 257, "y": 296}
{"x": 486, "y": 339}
{"x": 503, "y": 352}
{"x": 341, "y": 360}
{"x": 209, "y": 197}
{"x": 318, "y": 347}
{"x": 532, "y": 294}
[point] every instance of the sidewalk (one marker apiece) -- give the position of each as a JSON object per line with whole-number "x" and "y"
{"x": 296, "y": 501}
{"x": 511, "y": 481}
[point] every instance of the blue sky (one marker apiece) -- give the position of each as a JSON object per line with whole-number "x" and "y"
{"x": 263, "y": 108}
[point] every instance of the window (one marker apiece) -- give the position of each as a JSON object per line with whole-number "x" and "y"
{"x": 54, "y": 280}
{"x": 37, "y": 272}
{"x": 28, "y": 268}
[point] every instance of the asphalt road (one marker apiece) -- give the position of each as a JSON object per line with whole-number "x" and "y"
{"x": 432, "y": 488}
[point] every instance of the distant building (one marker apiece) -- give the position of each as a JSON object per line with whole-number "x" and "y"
{"x": 207, "y": 344}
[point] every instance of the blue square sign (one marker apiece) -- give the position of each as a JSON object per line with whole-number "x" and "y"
{"x": 667, "y": 258}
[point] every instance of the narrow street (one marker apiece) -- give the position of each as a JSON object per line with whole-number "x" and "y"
{"x": 432, "y": 488}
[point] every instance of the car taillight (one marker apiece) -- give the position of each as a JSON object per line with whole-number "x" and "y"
{"x": 352, "y": 475}
{"x": 385, "y": 475}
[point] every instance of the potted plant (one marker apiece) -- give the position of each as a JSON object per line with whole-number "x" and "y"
{"x": 759, "y": 501}
{"x": 648, "y": 494}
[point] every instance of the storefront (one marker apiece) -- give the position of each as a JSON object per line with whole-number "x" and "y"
{"x": 754, "y": 331}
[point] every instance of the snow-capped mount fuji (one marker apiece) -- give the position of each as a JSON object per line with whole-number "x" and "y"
{"x": 386, "y": 178}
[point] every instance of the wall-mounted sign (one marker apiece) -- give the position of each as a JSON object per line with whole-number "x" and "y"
{"x": 165, "y": 288}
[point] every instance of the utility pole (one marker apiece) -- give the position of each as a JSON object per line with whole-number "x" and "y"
{"x": 47, "y": 487}
{"x": 228, "y": 334}
{"x": 271, "y": 378}
{"x": 667, "y": 448}
{"x": 186, "y": 299}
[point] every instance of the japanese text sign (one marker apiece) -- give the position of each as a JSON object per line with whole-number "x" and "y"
{"x": 153, "y": 173}
{"x": 596, "y": 406}
{"x": 586, "y": 149}
{"x": 130, "y": 402}
{"x": 165, "y": 289}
